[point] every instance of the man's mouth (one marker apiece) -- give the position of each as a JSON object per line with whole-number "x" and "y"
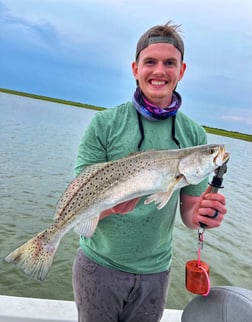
{"x": 157, "y": 82}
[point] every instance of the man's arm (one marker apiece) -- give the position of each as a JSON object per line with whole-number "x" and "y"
{"x": 122, "y": 208}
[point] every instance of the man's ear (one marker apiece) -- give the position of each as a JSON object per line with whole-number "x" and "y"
{"x": 182, "y": 70}
{"x": 135, "y": 69}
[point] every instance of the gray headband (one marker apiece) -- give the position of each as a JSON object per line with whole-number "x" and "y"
{"x": 165, "y": 39}
{"x": 147, "y": 40}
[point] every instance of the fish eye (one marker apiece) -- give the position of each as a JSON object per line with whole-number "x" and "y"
{"x": 211, "y": 151}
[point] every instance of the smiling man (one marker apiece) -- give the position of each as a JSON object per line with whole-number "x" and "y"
{"x": 122, "y": 272}
{"x": 159, "y": 66}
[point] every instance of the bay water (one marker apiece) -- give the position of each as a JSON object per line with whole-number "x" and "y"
{"x": 38, "y": 147}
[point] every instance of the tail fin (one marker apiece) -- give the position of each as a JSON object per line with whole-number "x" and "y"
{"x": 35, "y": 257}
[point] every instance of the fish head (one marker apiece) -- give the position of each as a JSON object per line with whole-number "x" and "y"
{"x": 201, "y": 161}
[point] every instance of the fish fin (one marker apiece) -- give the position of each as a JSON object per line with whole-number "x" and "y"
{"x": 162, "y": 198}
{"x": 35, "y": 257}
{"x": 87, "y": 228}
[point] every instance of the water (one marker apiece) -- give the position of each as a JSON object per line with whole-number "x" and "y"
{"x": 38, "y": 147}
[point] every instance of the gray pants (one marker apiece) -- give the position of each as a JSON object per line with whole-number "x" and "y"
{"x": 107, "y": 295}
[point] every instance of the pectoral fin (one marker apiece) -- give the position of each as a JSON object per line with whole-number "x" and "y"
{"x": 87, "y": 228}
{"x": 162, "y": 198}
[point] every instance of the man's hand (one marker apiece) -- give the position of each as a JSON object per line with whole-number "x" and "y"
{"x": 195, "y": 210}
{"x": 121, "y": 208}
{"x": 211, "y": 209}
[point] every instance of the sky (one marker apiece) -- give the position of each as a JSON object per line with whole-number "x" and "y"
{"x": 82, "y": 50}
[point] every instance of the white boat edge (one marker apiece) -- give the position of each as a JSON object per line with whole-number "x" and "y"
{"x": 23, "y": 309}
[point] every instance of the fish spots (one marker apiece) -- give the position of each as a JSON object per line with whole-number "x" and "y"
{"x": 37, "y": 246}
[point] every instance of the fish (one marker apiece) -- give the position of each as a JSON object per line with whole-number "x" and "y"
{"x": 155, "y": 174}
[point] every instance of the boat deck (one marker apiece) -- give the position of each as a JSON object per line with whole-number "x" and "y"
{"x": 20, "y": 309}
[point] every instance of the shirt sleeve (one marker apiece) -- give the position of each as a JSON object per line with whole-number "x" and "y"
{"x": 92, "y": 148}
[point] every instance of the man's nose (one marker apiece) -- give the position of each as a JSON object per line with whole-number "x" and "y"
{"x": 159, "y": 69}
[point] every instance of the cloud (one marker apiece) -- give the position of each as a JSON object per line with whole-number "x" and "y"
{"x": 82, "y": 50}
{"x": 235, "y": 118}
{"x": 24, "y": 31}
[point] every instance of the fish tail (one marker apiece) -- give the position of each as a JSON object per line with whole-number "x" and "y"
{"x": 35, "y": 257}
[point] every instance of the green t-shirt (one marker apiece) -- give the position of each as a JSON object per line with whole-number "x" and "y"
{"x": 140, "y": 241}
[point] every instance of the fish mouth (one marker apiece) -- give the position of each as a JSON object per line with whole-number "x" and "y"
{"x": 222, "y": 156}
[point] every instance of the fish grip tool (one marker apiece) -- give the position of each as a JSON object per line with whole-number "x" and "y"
{"x": 197, "y": 272}
{"x": 217, "y": 180}
{"x": 216, "y": 184}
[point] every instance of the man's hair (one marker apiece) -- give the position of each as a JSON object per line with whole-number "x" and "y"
{"x": 167, "y": 33}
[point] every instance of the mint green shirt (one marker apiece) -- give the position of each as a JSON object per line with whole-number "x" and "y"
{"x": 140, "y": 241}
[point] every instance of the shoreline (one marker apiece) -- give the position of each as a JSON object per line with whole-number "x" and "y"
{"x": 210, "y": 130}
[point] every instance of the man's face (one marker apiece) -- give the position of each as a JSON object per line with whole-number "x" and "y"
{"x": 158, "y": 70}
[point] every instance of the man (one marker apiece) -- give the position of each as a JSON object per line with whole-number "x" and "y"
{"x": 122, "y": 272}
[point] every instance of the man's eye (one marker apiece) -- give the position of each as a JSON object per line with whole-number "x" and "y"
{"x": 150, "y": 62}
{"x": 170, "y": 63}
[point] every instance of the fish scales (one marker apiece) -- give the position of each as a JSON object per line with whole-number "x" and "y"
{"x": 82, "y": 192}
{"x": 157, "y": 173}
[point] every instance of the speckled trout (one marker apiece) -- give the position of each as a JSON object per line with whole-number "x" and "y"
{"x": 155, "y": 174}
